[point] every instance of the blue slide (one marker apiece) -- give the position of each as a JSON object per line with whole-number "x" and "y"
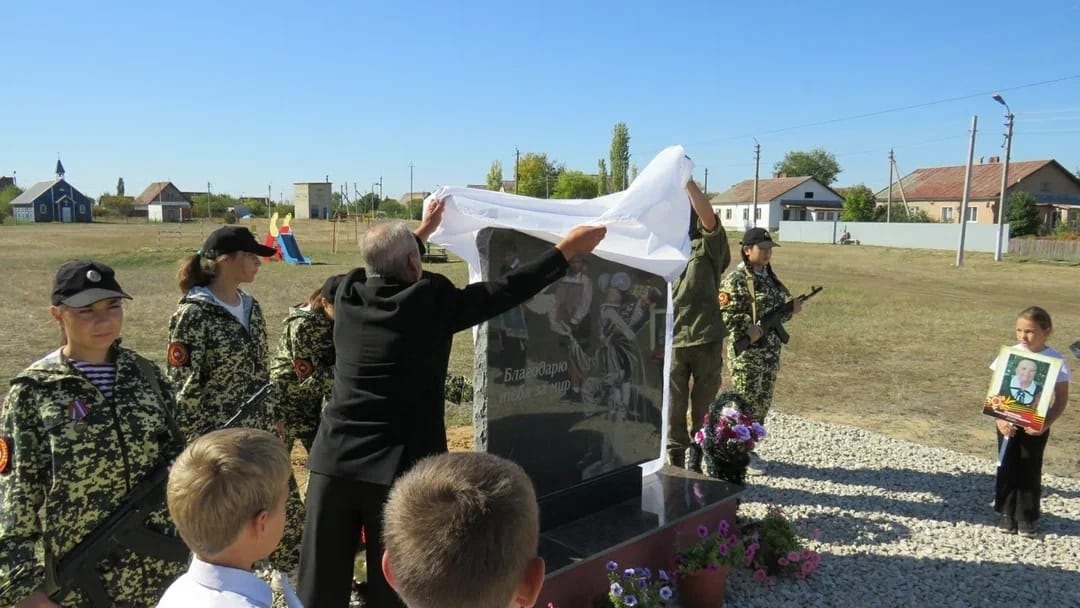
{"x": 290, "y": 250}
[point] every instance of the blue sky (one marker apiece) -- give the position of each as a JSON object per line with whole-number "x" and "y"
{"x": 246, "y": 95}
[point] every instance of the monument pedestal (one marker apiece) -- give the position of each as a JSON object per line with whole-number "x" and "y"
{"x": 638, "y": 532}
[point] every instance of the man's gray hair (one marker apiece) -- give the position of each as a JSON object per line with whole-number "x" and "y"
{"x": 386, "y": 248}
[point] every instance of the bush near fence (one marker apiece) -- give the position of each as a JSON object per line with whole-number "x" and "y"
{"x": 1047, "y": 249}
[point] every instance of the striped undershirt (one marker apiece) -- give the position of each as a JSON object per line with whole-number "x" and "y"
{"x": 101, "y": 375}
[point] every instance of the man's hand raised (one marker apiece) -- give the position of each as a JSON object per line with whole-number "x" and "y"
{"x": 581, "y": 240}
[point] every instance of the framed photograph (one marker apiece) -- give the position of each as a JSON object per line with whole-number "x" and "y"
{"x": 1022, "y": 387}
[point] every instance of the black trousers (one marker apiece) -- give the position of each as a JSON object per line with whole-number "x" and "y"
{"x": 336, "y": 509}
{"x": 1018, "y": 487}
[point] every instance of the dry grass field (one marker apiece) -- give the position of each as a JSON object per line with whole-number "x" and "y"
{"x": 899, "y": 341}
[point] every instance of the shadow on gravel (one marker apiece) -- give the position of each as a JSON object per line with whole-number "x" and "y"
{"x": 952, "y": 497}
{"x": 884, "y": 580}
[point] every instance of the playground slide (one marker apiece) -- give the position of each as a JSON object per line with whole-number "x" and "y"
{"x": 290, "y": 250}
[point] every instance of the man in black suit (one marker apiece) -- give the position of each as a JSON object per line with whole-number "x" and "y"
{"x": 393, "y": 328}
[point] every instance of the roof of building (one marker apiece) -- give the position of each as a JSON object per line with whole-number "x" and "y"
{"x": 768, "y": 190}
{"x": 947, "y": 183}
{"x": 6, "y": 181}
{"x": 31, "y": 193}
{"x": 153, "y": 192}
{"x": 408, "y": 196}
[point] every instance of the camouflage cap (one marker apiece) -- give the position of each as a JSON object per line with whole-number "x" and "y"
{"x": 82, "y": 282}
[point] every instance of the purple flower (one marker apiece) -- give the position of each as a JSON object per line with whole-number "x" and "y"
{"x": 629, "y": 600}
{"x": 793, "y": 556}
{"x": 612, "y": 566}
{"x": 628, "y": 573}
{"x": 759, "y": 431}
{"x": 703, "y": 531}
{"x": 663, "y": 575}
{"x": 730, "y": 412}
{"x": 699, "y": 436}
{"x": 723, "y": 527}
{"x": 712, "y": 567}
{"x": 742, "y": 432}
{"x": 616, "y": 589}
{"x": 723, "y": 549}
{"x": 665, "y": 593}
{"x": 646, "y": 573}
{"x": 782, "y": 561}
{"x": 642, "y": 584}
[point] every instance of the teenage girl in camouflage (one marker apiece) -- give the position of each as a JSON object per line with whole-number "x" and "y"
{"x": 303, "y": 369}
{"x": 79, "y": 430}
{"x": 217, "y": 352}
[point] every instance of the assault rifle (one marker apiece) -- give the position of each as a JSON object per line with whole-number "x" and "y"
{"x": 773, "y": 321}
{"x": 125, "y": 529}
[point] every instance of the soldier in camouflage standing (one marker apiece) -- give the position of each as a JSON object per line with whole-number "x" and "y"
{"x": 698, "y": 333}
{"x": 746, "y": 294}
{"x": 217, "y": 352}
{"x": 303, "y": 370}
{"x": 79, "y": 429}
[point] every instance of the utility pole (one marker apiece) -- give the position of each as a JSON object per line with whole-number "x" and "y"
{"x": 517, "y": 166}
{"x": 757, "y": 165}
{"x": 967, "y": 189}
{"x": 380, "y": 189}
{"x": 706, "y": 189}
{"x": 411, "y": 197}
{"x": 208, "y": 200}
{"x": 1004, "y": 178}
{"x": 269, "y": 199}
{"x": 888, "y": 208}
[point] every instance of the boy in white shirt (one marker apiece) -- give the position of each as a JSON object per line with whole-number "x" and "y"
{"x": 227, "y": 494}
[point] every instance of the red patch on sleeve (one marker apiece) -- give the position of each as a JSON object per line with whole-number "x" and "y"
{"x": 5, "y": 454}
{"x": 303, "y": 368}
{"x": 177, "y": 354}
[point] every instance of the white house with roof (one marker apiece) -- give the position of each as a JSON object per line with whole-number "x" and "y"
{"x": 780, "y": 198}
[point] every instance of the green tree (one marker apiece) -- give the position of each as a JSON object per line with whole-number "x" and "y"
{"x": 602, "y": 179}
{"x": 859, "y": 204}
{"x": 7, "y": 195}
{"x": 369, "y": 202}
{"x": 120, "y": 206}
{"x": 536, "y": 175}
{"x": 817, "y": 163}
{"x": 120, "y": 187}
{"x": 1022, "y": 214}
{"x": 620, "y": 157}
{"x": 574, "y": 184}
{"x": 494, "y": 176}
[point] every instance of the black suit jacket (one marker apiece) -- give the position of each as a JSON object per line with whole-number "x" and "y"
{"x": 392, "y": 343}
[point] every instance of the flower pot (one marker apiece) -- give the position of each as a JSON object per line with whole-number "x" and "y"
{"x": 704, "y": 588}
{"x": 730, "y": 467}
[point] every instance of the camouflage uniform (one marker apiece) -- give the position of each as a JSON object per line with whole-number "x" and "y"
{"x": 67, "y": 473}
{"x": 303, "y": 372}
{"x": 745, "y": 297}
{"x": 214, "y": 366}
{"x": 698, "y": 337}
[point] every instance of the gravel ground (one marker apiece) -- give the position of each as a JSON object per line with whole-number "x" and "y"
{"x": 905, "y": 525}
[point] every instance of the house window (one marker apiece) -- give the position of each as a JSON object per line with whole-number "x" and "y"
{"x": 946, "y": 215}
{"x": 43, "y": 209}
{"x": 745, "y": 214}
{"x": 973, "y": 214}
{"x": 757, "y": 213}
{"x": 808, "y": 194}
{"x": 82, "y": 209}
{"x": 727, "y": 214}
{"x": 787, "y": 214}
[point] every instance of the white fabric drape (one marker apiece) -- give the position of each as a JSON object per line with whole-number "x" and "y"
{"x": 647, "y": 228}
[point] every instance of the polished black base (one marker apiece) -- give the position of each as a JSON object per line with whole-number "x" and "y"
{"x": 587, "y": 498}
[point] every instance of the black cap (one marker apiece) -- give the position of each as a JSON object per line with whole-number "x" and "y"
{"x": 230, "y": 239}
{"x": 330, "y": 287}
{"x": 82, "y": 282}
{"x": 759, "y": 237}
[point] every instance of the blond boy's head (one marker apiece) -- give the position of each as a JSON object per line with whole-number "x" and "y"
{"x": 224, "y": 483}
{"x": 462, "y": 530}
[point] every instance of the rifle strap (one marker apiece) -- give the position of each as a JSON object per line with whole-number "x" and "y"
{"x": 753, "y": 296}
{"x": 147, "y": 372}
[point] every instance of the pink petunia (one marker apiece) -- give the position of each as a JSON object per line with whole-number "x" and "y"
{"x": 800, "y": 576}
{"x": 782, "y": 561}
{"x": 807, "y": 554}
{"x": 793, "y": 556}
{"x": 760, "y": 575}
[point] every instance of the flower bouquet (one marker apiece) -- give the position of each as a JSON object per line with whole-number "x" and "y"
{"x": 638, "y": 587}
{"x": 775, "y": 548}
{"x": 726, "y": 438}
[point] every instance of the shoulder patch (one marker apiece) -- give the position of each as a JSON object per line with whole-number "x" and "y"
{"x": 723, "y": 298}
{"x": 5, "y": 454}
{"x": 303, "y": 368}
{"x": 177, "y": 354}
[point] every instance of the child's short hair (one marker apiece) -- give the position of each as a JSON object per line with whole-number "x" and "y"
{"x": 221, "y": 481}
{"x": 460, "y": 530}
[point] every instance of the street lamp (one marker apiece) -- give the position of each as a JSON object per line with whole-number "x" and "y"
{"x": 1004, "y": 177}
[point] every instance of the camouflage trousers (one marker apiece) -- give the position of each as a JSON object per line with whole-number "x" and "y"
{"x": 131, "y": 581}
{"x": 694, "y": 382}
{"x": 753, "y": 376}
{"x": 286, "y": 557}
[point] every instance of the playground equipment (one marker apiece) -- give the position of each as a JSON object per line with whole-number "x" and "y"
{"x": 284, "y": 242}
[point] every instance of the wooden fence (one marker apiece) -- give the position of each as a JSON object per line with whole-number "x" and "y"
{"x": 1047, "y": 249}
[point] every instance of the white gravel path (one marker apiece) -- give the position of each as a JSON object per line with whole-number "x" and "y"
{"x": 905, "y": 525}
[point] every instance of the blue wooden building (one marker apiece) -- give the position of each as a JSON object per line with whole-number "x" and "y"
{"x": 53, "y": 201}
